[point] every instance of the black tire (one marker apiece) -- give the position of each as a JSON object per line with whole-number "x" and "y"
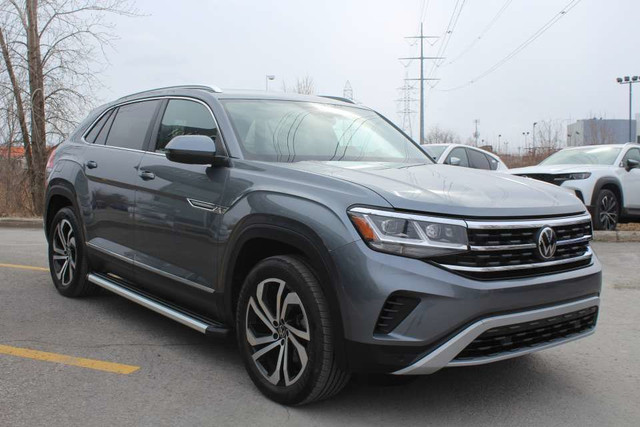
{"x": 291, "y": 281}
{"x": 66, "y": 244}
{"x": 606, "y": 212}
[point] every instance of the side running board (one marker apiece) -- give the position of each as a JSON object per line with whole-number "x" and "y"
{"x": 201, "y": 325}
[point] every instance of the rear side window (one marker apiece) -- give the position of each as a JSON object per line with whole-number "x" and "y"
{"x": 182, "y": 117}
{"x": 131, "y": 125}
{"x": 478, "y": 160}
{"x": 461, "y": 154}
{"x": 93, "y": 133}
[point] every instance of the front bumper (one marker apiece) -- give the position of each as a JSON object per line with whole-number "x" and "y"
{"x": 452, "y": 311}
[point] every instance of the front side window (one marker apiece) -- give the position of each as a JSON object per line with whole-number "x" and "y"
{"x": 435, "y": 151}
{"x": 460, "y": 154}
{"x": 290, "y": 131}
{"x": 633, "y": 154}
{"x": 131, "y": 125}
{"x": 584, "y": 156}
{"x": 183, "y": 117}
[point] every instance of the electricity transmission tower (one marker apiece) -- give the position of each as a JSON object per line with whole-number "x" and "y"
{"x": 347, "y": 92}
{"x": 422, "y": 78}
{"x": 406, "y": 100}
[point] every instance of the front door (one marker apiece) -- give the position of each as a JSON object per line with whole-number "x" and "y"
{"x": 177, "y": 210}
{"x": 631, "y": 181}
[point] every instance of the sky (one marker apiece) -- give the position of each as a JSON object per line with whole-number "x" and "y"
{"x": 567, "y": 73}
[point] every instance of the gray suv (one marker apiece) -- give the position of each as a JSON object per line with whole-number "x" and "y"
{"x": 318, "y": 232}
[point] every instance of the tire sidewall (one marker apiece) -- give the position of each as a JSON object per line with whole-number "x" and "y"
{"x": 277, "y": 268}
{"x": 72, "y": 288}
{"x": 598, "y": 209}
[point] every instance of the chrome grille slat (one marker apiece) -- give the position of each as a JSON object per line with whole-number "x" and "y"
{"x": 509, "y": 249}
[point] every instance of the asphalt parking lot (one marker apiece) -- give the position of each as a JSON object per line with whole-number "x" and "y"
{"x": 161, "y": 373}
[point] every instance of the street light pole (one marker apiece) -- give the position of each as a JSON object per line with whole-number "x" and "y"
{"x": 626, "y": 80}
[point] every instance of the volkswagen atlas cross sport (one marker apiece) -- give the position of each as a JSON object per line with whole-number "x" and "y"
{"x": 319, "y": 232}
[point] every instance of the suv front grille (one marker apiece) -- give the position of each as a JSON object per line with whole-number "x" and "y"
{"x": 546, "y": 177}
{"x": 509, "y": 249}
{"x": 516, "y": 337}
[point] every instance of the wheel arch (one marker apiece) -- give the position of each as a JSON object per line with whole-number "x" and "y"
{"x": 275, "y": 235}
{"x": 60, "y": 193}
{"x": 609, "y": 183}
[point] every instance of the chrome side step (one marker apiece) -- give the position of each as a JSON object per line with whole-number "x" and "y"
{"x": 186, "y": 319}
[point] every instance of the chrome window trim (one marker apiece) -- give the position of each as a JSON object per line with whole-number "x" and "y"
{"x": 153, "y": 98}
{"x": 585, "y": 256}
{"x": 528, "y": 223}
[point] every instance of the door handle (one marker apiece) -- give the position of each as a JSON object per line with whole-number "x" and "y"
{"x": 91, "y": 164}
{"x": 147, "y": 175}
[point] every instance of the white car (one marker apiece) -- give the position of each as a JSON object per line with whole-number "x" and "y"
{"x": 605, "y": 177}
{"x": 464, "y": 155}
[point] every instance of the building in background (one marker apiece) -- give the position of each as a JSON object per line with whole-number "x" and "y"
{"x": 600, "y": 131}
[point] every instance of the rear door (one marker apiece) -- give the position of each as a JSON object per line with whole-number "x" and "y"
{"x": 177, "y": 211}
{"x": 114, "y": 151}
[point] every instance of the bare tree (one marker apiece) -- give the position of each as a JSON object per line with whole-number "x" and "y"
{"x": 51, "y": 51}
{"x": 305, "y": 86}
{"x": 597, "y": 132}
{"x": 548, "y": 135}
{"x": 436, "y": 135}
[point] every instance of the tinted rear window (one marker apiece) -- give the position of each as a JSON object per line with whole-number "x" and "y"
{"x": 131, "y": 124}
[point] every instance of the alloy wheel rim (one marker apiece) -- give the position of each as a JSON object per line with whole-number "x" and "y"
{"x": 64, "y": 252}
{"x": 608, "y": 212}
{"x": 277, "y": 330}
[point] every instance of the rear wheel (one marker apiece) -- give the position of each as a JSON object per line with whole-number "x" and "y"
{"x": 607, "y": 211}
{"x": 285, "y": 333}
{"x": 67, "y": 256}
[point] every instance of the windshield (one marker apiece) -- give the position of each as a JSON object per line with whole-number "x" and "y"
{"x": 584, "y": 156}
{"x": 435, "y": 151}
{"x": 291, "y": 131}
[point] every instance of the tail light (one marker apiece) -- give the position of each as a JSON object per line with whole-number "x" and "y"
{"x": 49, "y": 167}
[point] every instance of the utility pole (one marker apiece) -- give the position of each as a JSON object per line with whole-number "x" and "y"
{"x": 476, "y": 134}
{"x": 405, "y": 107}
{"x": 422, "y": 79}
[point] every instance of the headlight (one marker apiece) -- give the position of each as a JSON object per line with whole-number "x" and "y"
{"x": 571, "y": 176}
{"x": 414, "y": 236}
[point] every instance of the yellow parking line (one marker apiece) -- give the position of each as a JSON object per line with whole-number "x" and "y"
{"x": 98, "y": 365}
{"x": 24, "y": 267}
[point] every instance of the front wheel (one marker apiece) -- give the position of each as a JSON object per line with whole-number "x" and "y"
{"x": 285, "y": 333}
{"x": 606, "y": 211}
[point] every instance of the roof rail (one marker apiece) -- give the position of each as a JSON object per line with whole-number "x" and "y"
{"x": 339, "y": 98}
{"x": 209, "y": 88}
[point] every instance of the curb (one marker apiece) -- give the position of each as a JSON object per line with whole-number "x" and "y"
{"x": 21, "y": 222}
{"x": 616, "y": 236}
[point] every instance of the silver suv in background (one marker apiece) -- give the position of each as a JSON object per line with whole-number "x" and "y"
{"x": 319, "y": 233}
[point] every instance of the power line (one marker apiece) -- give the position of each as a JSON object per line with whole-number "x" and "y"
{"x": 521, "y": 47}
{"x": 448, "y": 32}
{"x": 483, "y": 32}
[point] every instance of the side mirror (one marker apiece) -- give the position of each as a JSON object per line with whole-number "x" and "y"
{"x": 191, "y": 149}
{"x": 454, "y": 161}
{"x": 631, "y": 164}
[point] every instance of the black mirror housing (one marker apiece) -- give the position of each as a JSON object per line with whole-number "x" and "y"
{"x": 191, "y": 149}
{"x": 631, "y": 164}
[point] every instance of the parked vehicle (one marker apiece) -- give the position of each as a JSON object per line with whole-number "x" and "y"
{"x": 606, "y": 178}
{"x": 319, "y": 232}
{"x": 464, "y": 155}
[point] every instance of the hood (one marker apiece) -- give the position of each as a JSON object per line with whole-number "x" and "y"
{"x": 557, "y": 169}
{"x": 451, "y": 190}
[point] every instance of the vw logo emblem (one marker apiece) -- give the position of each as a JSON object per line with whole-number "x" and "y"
{"x": 546, "y": 243}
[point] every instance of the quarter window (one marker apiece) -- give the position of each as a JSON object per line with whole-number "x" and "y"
{"x": 183, "y": 117}
{"x": 131, "y": 125}
{"x": 93, "y": 133}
